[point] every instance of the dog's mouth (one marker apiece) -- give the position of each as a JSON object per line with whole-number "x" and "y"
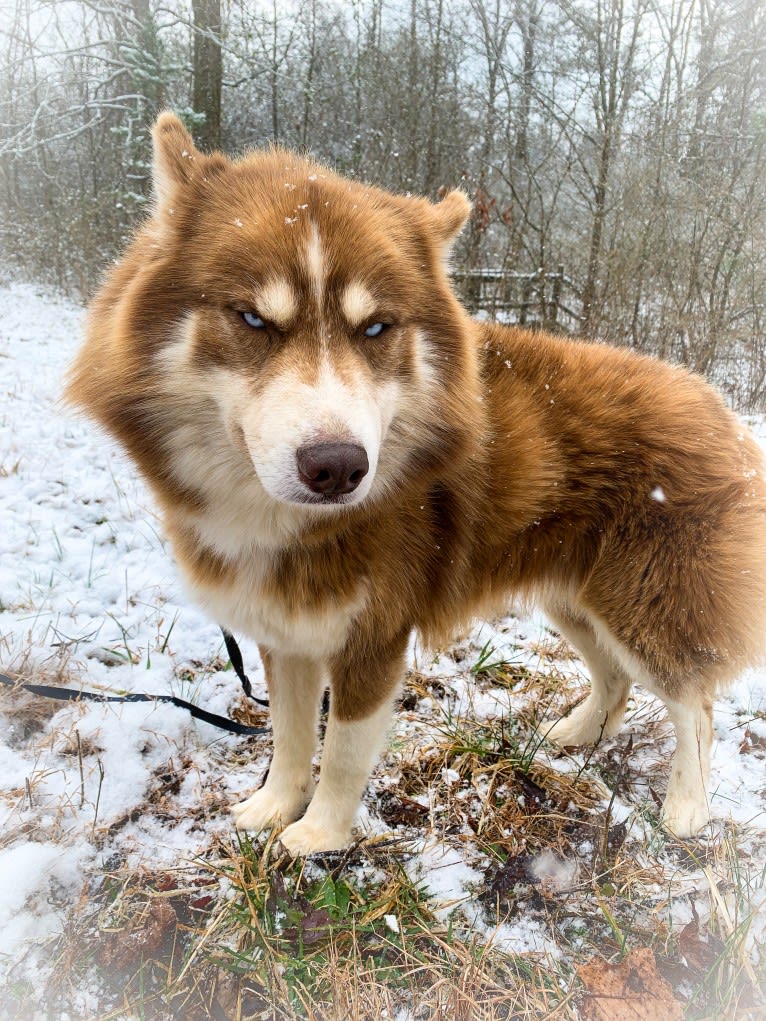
{"x": 306, "y": 499}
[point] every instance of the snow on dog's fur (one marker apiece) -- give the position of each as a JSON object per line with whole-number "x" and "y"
{"x": 342, "y": 455}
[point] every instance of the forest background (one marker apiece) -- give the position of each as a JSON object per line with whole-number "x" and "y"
{"x": 614, "y": 149}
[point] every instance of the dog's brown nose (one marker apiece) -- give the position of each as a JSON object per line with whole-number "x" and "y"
{"x": 332, "y": 468}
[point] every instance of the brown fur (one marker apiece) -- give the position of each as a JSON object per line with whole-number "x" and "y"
{"x": 531, "y": 475}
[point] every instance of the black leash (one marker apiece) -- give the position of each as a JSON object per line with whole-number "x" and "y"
{"x": 235, "y": 655}
{"x": 232, "y": 726}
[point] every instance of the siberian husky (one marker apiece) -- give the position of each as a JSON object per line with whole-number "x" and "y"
{"x": 342, "y": 456}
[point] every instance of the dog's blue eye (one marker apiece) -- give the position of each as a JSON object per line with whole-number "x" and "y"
{"x": 375, "y": 330}
{"x": 254, "y": 320}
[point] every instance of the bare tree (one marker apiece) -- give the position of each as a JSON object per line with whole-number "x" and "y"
{"x": 615, "y": 33}
{"x": 208, "y": 72}
{"x": 621, "y": 139}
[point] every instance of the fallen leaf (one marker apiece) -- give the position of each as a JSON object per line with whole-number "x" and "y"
{"x": 632, "y": 990}
{"x": 126, "y": 949}
{"x": 700, "y": 955}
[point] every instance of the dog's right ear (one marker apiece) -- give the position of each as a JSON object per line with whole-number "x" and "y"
{"x": 176, "y": 159}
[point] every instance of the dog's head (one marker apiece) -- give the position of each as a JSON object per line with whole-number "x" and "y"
{"x": 311, "y": 313}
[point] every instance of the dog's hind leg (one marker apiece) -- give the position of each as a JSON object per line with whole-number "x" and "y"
{"x": 602, "y": 712}
{"x": 686, "y": 808}
{"x": 295, "y": 688}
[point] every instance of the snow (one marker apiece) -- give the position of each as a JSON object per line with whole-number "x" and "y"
{"x": 554, "y": 872}
{"x": 29, "y": 874}
{"x": 89, "y": 594}
{"x": 88, "y": 590}
{"x": 444, "y": 873}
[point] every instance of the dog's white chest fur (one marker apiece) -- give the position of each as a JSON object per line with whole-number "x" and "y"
{"x": 249, "y": 606}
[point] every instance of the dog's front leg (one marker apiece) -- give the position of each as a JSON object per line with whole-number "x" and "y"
{"x": 295, "y": 688}
{"x": 362, "y": 690}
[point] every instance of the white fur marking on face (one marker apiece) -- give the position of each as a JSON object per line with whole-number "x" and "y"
{"x": 426, "y": 361}
{"x": 174, "y": 356}
{"x": 290, "y": 412}
{"x": 206, "y": 450}
{"x": 357, "y": 303}
{"x": 276, "y": 302}
{"x": 315, "y": 262}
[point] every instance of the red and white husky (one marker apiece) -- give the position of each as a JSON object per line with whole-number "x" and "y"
{"x": 342, "y": 455}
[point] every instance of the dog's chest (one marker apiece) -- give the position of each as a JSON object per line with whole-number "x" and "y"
{"x": 288, "y": 604}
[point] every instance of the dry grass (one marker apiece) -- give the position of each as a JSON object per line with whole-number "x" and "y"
{"x": 253, "y": 935}
{"x": 246, "y": 933}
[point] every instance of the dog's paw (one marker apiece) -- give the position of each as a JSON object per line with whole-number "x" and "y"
{"x": 267, "y": 808}
{"x": 586, "y": 724}
{"x": 684, "y": 816}
{"x": 307, "y": 837}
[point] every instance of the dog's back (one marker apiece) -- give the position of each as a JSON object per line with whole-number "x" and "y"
{"x": 628, "y": 485}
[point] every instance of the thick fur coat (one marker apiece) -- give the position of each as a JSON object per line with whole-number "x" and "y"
{"x": 342, "y": 455}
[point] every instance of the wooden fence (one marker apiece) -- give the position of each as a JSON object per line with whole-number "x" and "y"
{"x": 543, "y": 299}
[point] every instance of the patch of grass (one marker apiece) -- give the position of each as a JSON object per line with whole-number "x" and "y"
{"x": 295, "y": 919}
{"x": 256, "y": 935}
{"x": 495, "y": 669}
{"x": 719, "y": 954}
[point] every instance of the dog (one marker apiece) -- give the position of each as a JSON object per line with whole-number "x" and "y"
{"x": 342, "y": 456}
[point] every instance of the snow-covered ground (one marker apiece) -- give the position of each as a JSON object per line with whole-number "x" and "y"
{"x": 89, "y": 596}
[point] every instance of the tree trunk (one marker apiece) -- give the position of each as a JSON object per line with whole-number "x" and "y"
{"x": 208, "y": 72}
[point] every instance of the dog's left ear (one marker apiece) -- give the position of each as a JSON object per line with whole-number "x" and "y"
{"x": 448, "y": 218}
